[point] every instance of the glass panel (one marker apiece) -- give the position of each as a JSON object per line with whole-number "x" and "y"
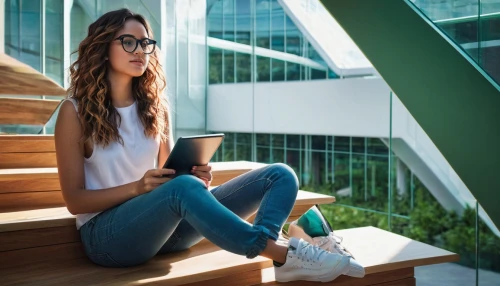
{"x": 228, "y": 14}
{"x": 243, "y": 22}
{"x": 244, "y": 146}
{"x": 263, "y": 69}
{"x": 293, "y": 38}
{"x": 12, "y": 37}
{"x": 229, "y": 61}
{"x": 229, "y": 152}
{"x": 278, "y": 156}
{"x": 277, "y": 27}
{"x": 262, "y": 24}
{"x": 318, "y": 74}
{"x": 278, "y": 70}
{"x": 243, "y": 67}
{"x": 473, "y": 25}
{"x": 215, "y": 65}
{"x": 215, "y": 20}
{"x": 278, "y": 140}
{"x": 293, "y": 141}
{"x": 30, "y": 30}
{"x": 292, "y": 71}
{"x": 54, "y": 40}
{"x": 341, "y": 143}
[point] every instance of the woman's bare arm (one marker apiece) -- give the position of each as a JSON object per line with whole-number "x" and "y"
{"x": 70, "y": 158}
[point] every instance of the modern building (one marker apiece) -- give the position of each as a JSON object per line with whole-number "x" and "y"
{"x": 285, "y": 83}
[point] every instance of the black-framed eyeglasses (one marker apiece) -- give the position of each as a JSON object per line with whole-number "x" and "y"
{"x": 130, "y": 43}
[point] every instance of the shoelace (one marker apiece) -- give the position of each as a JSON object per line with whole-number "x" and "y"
{"x": 311, "y": 252}
{"x": 334, "y": 241}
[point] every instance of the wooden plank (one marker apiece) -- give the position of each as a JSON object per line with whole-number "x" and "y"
{"x": 268, "y": 278}
{"x": 15, "y": 202}
{"x": 19, "y": 78}
{"x": 222, "y": 171}
{"x": 379, "y": 250}
{"x": 311, "y": 198}
{"x": 27, "y": 160}
{"x": 180, "y": 268}
{"x": 26, "y": 111}
{"x": 237, "y": 279}
{"x": 26, "y": 143}
{"x": 30, "y": 185}
{"x": 38, "y": 237}
{"x": 27, "y": 256}
{"x": 34, "y": 219}
{"x": 54, "y": 217}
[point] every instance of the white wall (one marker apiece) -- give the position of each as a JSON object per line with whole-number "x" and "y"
{"x": 348, "y": 107}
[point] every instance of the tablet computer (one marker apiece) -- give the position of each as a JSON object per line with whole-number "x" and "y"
{"x": 192, "y": 151}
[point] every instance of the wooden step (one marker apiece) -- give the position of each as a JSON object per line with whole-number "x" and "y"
{"x": 27, "y": 229}
{"x": 36, "y": 188}
{"x": 19, "y": 78}
{"x": 26, "y": 111}
{"x": 27, "y": 143}
{"x": 389, "y": 259}
{"x": 27, "y": 151}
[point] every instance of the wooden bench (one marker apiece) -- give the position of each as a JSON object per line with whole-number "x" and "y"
{"x": 39, "y": 243}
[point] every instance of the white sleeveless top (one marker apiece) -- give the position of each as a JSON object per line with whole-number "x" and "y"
{"x": 119, "y": 164}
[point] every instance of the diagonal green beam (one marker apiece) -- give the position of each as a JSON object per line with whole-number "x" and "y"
{"x": 451, "y": 98}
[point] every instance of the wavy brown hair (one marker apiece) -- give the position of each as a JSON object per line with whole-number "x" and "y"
{"x": 89, "y": 84}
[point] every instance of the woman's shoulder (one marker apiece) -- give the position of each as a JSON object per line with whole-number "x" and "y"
{"x": 68, "y": 113}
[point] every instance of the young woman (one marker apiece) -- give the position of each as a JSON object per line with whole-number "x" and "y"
{"x": 111, "y": 135}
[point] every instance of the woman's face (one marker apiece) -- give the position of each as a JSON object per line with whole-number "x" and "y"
{"x": 129, "y": 63}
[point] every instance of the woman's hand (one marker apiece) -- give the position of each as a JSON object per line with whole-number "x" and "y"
{"x": 204, "y": 173}
{"x": 152, "y": 179}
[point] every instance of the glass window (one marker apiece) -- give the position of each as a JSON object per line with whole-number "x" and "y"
{"x": 12, "y": 39}
{"x": 243, "y": 22}
{"x": 358, "y": 145}
{"x": 54, "y": 44}
{"x": 228, "y": 15}
{"x": 293, "y": 141}
{"x": 243, "y": 67}
{"x": 229, "y": 152}
{"x": 244, "y": 146}
{"x": 30, "y": 29}
{"x": 214, "y": 20}
{"x": 293, "y": 38}
{"x": 341, "y": 143}
{"x": 278, "y": 141}
{"x": 262, "y": 32}
{"x": 318, "y": 142}
{"x": 278, "y": 68}
{"x": 215, "y": 65}
{"x": 277, "y": 27}
{"x": 228, "y": 66}
{"x": 318, "y": 74}
{"x": 278, "y": 156}
{"x": 263, "y": 68}
{"x": 263, "y": 140}
{"x": 292, "y": 71}
{"x": 263, "y": 155}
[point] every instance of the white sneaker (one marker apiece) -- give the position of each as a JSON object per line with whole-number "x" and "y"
{"x": 331, "y": 243}
{"x": 310, "y": 263}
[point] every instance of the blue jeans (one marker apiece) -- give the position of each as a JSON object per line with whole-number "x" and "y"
{"x": 181, "y": 212}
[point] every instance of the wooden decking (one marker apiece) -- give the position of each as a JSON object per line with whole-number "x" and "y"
{"x": 39, "y": 244}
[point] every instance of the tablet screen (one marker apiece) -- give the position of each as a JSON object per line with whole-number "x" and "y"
{"x": 193, "y": 151}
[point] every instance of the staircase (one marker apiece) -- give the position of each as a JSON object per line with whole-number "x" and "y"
{"x": 39, "y": 243}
